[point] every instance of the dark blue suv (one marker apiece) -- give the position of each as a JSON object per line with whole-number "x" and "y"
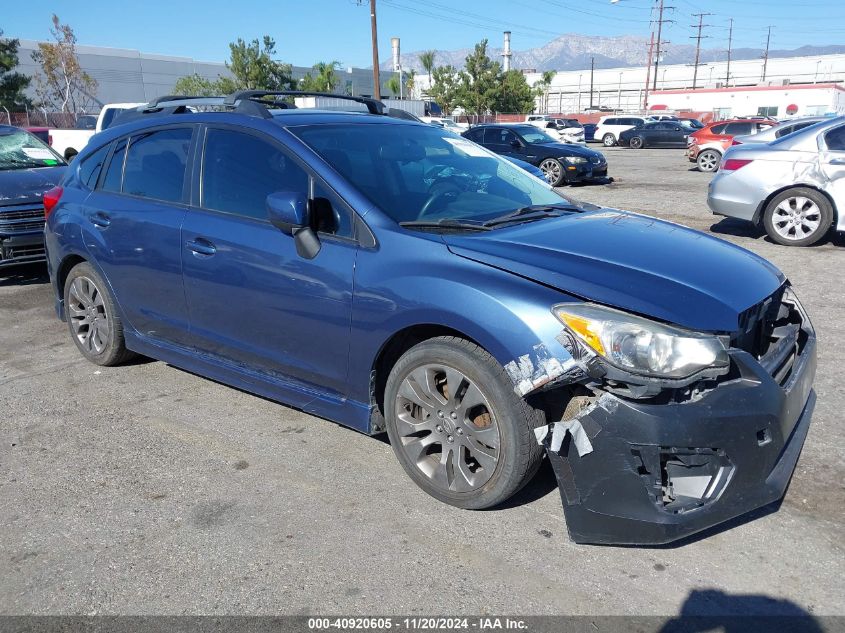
{"x": 392, "y": 276}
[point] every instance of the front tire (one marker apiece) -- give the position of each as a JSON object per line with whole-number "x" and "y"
{"x": 92, "y": 319}
{"x": 798, "y": 217}
{"x": 708, "y": 160}
{"x": 457, "y": 426}
{"x": 553, "y": 171}
{"x": 608, "y": 140}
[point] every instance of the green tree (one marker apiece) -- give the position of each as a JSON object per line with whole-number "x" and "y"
{"x": 480, "y": 82}
{"x": 254, "y": 68}
{"x": 410, "y": 82}
{"x": 12, "y": 84}
{"x": 543, "y": 88}
{"x": 197, "y": 86}
{"x": 324, "y": 79}
{"x": 392, "y": 85}
{"x": 515, "y": 94}
{"x": 62, "y": 84}
{"x": 445, "y": 87}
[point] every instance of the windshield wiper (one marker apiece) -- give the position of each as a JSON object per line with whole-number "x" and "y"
{"x": 445, "y": 223}
{"x": 532, "y": 212}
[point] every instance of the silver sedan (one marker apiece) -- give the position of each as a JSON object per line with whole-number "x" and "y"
{"x": 794, "y": 186}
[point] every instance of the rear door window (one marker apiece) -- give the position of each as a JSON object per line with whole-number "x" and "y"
{"x": 738, "y": 128}
{"x": 114, "y": 173}
{"x": 155, "y": 164}
{"x": 835, "y": 139}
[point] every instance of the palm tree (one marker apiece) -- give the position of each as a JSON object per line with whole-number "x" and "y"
{"x": 392, "y": 85}
{"x": 327, "y": 77}
{"x": 427, "y": 61}
{"x": 548, "y": 76}
{"x": 410, "y": 80}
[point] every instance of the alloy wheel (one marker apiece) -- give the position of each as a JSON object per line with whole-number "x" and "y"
{"x": 708, "y": 161}
{"x": 551, "y": 170}
{"x": 447, "y": 428}
{"x": 796, "y": 217}
{"x": 636, "y": 142}
{"x": 88, "y": 317}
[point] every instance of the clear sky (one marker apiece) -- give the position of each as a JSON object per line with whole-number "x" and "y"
{"x": 307, "y": 31}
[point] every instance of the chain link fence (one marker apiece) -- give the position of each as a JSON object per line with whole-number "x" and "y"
{"x": 43, "y": 118}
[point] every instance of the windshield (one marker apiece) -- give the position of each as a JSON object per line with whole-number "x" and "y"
{"x": 424, "y": 173}
{"x": 21, "y": 150}
{"x": 532, "y": 134}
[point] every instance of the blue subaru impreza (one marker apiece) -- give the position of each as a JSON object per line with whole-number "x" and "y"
{"x": 392, "y": 276}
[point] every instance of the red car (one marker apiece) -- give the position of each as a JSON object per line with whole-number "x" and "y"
{"x": 43, "y": 133}
{"x": 706, "y": 146}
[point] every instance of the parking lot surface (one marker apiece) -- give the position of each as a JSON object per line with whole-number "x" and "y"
{"x": 144, "y": 489}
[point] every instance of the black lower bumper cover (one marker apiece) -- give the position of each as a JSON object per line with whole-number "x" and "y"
{"x": 21, "y": 249}
{"x": 747, "y": 432}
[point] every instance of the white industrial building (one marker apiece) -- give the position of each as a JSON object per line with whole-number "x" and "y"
{"x": 625, "y": 88}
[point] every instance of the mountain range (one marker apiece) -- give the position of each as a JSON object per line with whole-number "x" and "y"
{"x": 573, "y": 52}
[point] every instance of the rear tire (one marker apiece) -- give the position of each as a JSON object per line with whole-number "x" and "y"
{"x": 708, "y": 161}
{"x": 798, "y": 217}
{"x": 92, "y": 318}
{"x": 608, "y": 140}
{"x": 456, "y": 425}
{"x": 637, "y": 143}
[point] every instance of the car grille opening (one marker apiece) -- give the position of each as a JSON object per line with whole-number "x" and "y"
{"x": 773, "y": 332}
{"x": 21, "y": 219}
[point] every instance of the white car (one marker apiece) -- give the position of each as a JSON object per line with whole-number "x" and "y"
{"x": 568, "y": 130}
{"x": 69, "y": 142}
{"x": 610, "y": 127}
{"x": 794, "y": 187}
{"x": 445, "y": 122}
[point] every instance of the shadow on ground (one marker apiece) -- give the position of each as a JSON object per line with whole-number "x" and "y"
{"x": 24, "y": 275}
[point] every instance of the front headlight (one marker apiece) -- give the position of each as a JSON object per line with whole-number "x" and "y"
{"x": 639, "y": 345}
{"x": 574, "y": 160}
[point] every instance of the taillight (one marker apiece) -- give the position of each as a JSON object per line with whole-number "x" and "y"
{"x": 735, "y": 142}
{"x": 50, "y": 140}
{"x": 732, "y": 164}
{"x": 51, "y": 199}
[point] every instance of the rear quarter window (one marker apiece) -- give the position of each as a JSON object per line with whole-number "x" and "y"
{"x": 90, "y": 168}
{"x": 718, "y": 129}
{"x": 835, "y": 139}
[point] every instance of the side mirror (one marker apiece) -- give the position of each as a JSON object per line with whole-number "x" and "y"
{"x": 288, "y": 212}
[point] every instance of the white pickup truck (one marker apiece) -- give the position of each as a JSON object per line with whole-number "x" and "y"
{"x": 69, "y": 142}
{"x": 569, "y": 130}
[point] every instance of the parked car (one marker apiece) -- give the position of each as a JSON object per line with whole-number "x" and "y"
{"x": 566, "y": 130}
{"x": 69, "y": 142}
{"x": 794, "y": 187}
{"x": 590, "y": 132}
{"x": 28, "y": 168}
{"x": 445, "y": 122}
{"x": 570, "y": 131}
{"x": 390, "y": 275}
{"x": 707, "y": 145}
{"x": 655, "y": 134}
{"x": 692, "y": 124}
{"x": 610, "y": 127}
{"x": 662, "y": 117}
{"x": 562, "y": 163}
{"x": 41, "y": 133}
{"x": 780, "y": 129}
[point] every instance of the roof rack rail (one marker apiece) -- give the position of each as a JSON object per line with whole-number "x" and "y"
{"x": 155, "y": 103}
{"x": 373, "y": 106}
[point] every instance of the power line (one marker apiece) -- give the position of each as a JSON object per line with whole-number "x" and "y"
{"x": 698, "y": 39}
{"x": 658, "y": 51}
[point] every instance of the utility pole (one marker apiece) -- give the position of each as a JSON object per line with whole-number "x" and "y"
{"x": 730, "y": 41}
{"x": 648, "y": 70}
{"x": 698, "y": 39}
{"x": 592, "y": 68}
{"x": 766, "y": 54}
{"x": 660, "y": 22}
{"x": 376, "y": 80}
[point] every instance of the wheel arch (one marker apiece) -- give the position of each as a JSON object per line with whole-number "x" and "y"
{"x": 758, "y": 214}
{"x": 63, "y": 270}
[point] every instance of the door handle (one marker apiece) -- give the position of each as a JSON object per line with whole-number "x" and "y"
{"x": 100, "y": 220}
{"x": 839, "y": 162}
{"x": 200, "y": 246}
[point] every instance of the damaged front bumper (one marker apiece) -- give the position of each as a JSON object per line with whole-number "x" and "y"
{"x": 642, "y": 473}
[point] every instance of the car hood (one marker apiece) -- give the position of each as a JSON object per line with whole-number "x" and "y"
{"x": 19, "y": 186}
{"x": 566, "y": 149}
{"x": 632, "y": 262}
